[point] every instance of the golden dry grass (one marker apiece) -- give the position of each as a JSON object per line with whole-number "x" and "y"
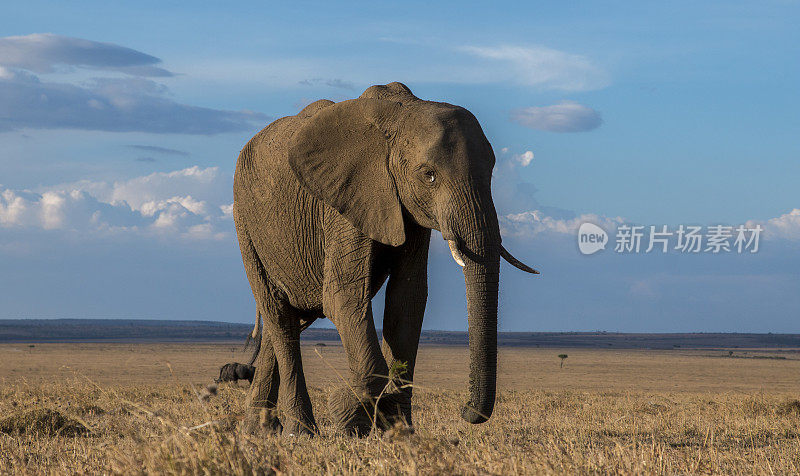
{"x": 605, "y": 412}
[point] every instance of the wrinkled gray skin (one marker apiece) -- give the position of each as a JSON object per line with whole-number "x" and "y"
{"x": 234, "y": 372}
{"x": 330, "y": 203}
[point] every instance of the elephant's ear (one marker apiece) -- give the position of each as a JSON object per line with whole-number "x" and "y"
{"x": 340, "y": 155}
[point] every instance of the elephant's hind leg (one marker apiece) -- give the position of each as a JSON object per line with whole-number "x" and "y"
{"x": 262, "y": 401}
{"x": 284, "y": 331}
{"x": 261, "y": 413}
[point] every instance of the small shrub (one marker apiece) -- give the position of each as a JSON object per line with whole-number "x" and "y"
{"x": 790, "y": 407}
{"x": 42, "y": 421}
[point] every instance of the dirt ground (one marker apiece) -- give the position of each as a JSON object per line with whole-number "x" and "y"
{"x": 438, "y": 368}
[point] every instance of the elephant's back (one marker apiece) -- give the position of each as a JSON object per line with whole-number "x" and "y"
{"x": 282, "y": 219}
{"x": 265, "y": 156}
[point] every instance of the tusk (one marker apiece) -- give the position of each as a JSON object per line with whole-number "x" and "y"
{"x": 513, "y": 261}
{"x": 457, "y": 256}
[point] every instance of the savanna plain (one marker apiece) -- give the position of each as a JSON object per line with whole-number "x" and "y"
{"x": 147, "y": 408}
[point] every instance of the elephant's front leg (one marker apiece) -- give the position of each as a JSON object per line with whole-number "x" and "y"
{"x": 353, "y": 405}
{"x": 406, "y": 296}
{"x": 346, "y": 302}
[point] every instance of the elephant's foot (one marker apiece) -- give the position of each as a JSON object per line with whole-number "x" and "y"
{"x": 351, "y": 414}
{"x": 354, "y": 415}
{"x": 298, "y": 424}
{"x": 259, "y": 421}
{"x": 393, "y": 409}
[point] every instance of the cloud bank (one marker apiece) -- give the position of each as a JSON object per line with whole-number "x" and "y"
{"x": 333, "y": 83}
{"x": 45, "y": 53}
{"x": 195, "y": 203}
{"x": 412, "y": 61}
{"x": 181, "y": 204}
{"x": 541, "y": 67}
{"x": 128, "y": 104}
{"x": 158, "y": 150}
{"x": 531, "y": 223}
{"x": 566, "y": 116}
{"x": 786, "y": 226}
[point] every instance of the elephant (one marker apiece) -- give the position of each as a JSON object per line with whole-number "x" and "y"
{"x": 335, "y": 201}
{"x": 234, "y": 372}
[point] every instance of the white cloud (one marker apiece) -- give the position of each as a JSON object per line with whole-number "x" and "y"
{"x": 45, "y": 52}
{"x": 158, "y": 150}
{"x": 110, "y": 104}
{"x": 643, "y": 289}
{"x": 187, "y": 203}
{"x": 786, "y": 226}
{"x": 537, "y": 67}
{"x": 164, "y": 185}
{"x": 52, "y": 210}
{"x": 333, "y": 83}
{"x": 74, "y": 210}
{"x": 566, "y": 116}
{"x": 126, "y": 104}
{"x": 541, "y": 67}
{"x": 13, "y": 208}
{"x": 159, "y": 204}
{"x": 533, "y": 222}
{"x": 525, "y": 158}
{"x": 227, "y": 210}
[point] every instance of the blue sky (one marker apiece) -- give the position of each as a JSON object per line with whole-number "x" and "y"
{"x": 120, "y": 125}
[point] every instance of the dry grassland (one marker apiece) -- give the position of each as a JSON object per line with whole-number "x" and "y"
{"x": 135, "y": 408}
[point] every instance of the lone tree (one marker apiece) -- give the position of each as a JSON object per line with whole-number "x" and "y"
{"x": 563, "y": 357}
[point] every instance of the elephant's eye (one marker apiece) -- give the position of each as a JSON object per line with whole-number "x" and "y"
{"x": 426, "y": 174}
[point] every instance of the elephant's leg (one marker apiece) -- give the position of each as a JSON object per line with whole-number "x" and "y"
{"x": 261, "y": 413}
{"x": 284, "y": 333}
{"x": 352, "y": 406}
{"x": 400, "y": 344}
{"x": 263, "y": 397}
{"x": 406, "y": 295}
{"x": 346, "y": 302}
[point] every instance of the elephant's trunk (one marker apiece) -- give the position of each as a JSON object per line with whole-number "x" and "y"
{"x": 481, "y": 282}
{"x": 480, "y": 251}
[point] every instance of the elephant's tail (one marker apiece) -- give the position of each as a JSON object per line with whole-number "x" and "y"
{"x": 255, "y": 333}
{"x": 255, "y": 338}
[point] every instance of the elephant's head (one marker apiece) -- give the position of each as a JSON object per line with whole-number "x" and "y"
{"x": 389, "y": 157}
